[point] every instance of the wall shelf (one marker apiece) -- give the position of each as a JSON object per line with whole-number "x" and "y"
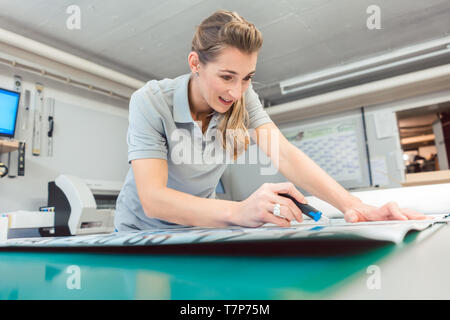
{"x": 424, "y": 178}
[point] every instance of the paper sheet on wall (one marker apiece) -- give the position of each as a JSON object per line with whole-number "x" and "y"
{"x": 334, "y": 147}
{"x": 385, "y": 124}
{"x": 379, "y": 171}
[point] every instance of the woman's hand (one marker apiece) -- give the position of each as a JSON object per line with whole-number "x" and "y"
{"x": 390, "y": 211}
{"x": 257, "y": 209}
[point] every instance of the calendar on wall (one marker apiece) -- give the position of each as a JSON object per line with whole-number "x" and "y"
{"x": 336, "y": 144}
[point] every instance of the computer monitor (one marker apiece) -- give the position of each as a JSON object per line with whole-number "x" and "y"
{"x": 9, "y": 106}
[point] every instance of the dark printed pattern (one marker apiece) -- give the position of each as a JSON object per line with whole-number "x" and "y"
{"x": 392, "y": 231}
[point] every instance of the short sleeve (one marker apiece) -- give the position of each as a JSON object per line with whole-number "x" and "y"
{"x": 145, "y": 137}
{"x": 257, "y": 115}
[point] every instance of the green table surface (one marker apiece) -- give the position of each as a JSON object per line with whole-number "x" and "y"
{"x": 43, "y": 275}
{"x": 90, "y": 275}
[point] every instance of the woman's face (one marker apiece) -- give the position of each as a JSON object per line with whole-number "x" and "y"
{"x": 224, "y": 81}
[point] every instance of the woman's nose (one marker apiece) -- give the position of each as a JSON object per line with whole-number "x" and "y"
{"x": 236, "y": 91}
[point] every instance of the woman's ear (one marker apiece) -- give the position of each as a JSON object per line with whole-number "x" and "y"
{"x": 194, "y": 61}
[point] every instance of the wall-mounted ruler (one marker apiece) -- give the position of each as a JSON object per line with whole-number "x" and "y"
{"x": 37, "y": 125}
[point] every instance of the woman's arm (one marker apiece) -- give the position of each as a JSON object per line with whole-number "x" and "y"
{"x": 159, "y": 201}
{"x": 298, "y": 168}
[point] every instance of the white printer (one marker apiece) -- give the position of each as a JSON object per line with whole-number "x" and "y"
{"x": 83, "y": 206}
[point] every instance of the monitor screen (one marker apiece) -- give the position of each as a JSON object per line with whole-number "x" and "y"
{"x": 9, "y": 105}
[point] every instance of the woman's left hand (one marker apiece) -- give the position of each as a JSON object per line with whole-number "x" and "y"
{"x": 390, "y": 211}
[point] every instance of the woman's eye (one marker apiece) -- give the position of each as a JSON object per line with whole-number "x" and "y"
{"x": 227, "y": 78}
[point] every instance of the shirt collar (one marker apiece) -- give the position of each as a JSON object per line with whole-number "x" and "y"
{"x": 181, "y": 112}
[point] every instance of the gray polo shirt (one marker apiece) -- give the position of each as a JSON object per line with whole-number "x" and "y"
{"x": 161, "y": 126}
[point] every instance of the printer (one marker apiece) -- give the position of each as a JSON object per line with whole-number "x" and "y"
{"x": 82, "y": 206}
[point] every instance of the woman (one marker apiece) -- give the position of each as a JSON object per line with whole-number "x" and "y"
{"x": 217, "y": 100}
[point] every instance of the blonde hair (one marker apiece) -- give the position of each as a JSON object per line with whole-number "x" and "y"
{"x": 221, "y": 30}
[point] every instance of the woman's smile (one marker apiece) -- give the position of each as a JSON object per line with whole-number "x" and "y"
{"x": 226, "y": 102}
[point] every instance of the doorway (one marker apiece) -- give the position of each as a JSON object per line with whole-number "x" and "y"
{"x": 425, "y": 137}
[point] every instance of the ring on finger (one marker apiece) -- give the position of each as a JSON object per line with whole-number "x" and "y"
{"x": 277, "y": 211}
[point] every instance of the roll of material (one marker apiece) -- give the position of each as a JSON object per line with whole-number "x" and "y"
{"x": 428, "y": 199}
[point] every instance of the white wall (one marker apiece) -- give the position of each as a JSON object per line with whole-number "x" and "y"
{"x": 89, "y": 140}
